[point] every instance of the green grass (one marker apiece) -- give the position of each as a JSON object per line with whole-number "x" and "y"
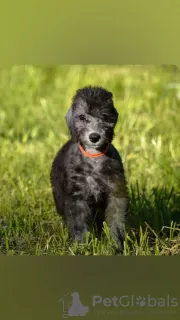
{"x": 33, "y": 103}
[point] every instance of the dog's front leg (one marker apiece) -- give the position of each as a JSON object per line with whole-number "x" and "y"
{"x": 77, "y": 214}
{"x": 115, "y": 218}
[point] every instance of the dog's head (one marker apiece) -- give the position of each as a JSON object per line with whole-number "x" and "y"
{"x": 92, "y": 117}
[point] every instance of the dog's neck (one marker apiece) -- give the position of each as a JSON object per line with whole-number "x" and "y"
{"x": 93, "y": 153}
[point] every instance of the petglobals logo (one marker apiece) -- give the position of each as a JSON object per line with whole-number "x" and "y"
{"x": 72, "y": 304}
{"x": 133, "y": 301}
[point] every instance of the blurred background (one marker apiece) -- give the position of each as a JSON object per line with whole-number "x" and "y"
{"x": 33, "y": 104}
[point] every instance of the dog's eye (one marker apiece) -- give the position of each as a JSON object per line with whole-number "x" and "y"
{"x": 82, "y": 117}
{"x": 105, "y": 116}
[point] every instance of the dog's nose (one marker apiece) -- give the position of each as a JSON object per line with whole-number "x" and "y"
{"x": 94, "y": 137}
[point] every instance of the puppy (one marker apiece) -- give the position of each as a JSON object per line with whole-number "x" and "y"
{"x": 87, "y": 174}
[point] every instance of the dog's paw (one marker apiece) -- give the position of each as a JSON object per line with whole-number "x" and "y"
{"x": 84, "y": 237}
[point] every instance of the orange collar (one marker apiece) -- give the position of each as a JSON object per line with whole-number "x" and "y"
{"x": 93, "y": 155}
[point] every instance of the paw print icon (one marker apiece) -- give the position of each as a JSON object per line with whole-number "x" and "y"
{"x": 141, "y": 301}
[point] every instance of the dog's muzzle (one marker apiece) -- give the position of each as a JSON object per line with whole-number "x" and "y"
{"x": 94, "y": 137}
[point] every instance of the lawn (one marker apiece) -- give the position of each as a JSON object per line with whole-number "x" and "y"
{"x": 33, "y": 103}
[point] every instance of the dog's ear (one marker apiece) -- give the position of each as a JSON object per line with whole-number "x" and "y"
{"x": 116, "y": 115}
{"x": 69, "y": 121}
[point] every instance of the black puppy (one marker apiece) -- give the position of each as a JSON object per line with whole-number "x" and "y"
{"x": 87, "y": 174}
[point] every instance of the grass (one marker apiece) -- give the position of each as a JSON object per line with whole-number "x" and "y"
{"x": 33, "y": 103}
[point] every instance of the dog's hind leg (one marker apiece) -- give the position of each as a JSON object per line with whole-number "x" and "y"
{"x": 115, "y": 218}
{"x": 77, "y": 214}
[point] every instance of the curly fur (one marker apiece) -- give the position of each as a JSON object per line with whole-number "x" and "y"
{"x": 87, "y": 189}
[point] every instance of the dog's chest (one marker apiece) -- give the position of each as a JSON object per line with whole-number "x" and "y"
{"x": 94, "y": 187}
{"x": 97, "y": 183}
{"x": 94, "y": 184}
{"x": 93, "y": 179}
